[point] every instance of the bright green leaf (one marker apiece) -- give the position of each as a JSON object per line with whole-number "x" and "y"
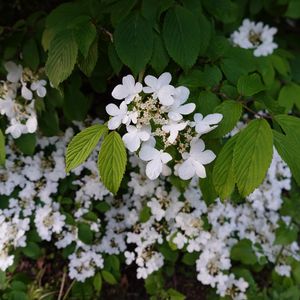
{"x": 82, "y": 145}
{"x": 289, "y": 96}
{"x": 231, "y": 111}
{"x": 252, "y": 155}
{"x": 223, "y": 174}
{"x": 112, "y": 161}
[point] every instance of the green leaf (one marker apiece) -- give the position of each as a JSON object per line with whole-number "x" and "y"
{"x": 286, "y": 234}
{"x": 145, "y": 214}
{"x": 85, "y": 34}
{"x": 133, "y": 40}
{"x": 225, "y": 11}
{"x": 112, "y": 161}
{"x": 88, "y": 63}
{"x": 108, "y": 277}
{"x": 293, "y": 10}
{"x": 48, "y": 122}
{"x": 207, "y": 189}
{"x": 252, "y": 155}
{"x": 31, "y": 56}
{"x": 175, "y": 295}
{"x": 114, "y": 59}
{"x": 289, "y": 96}
{"x": 248, "y": 85}
{"x": 76, "y": 104}
{"x": 231, "y": 111}
{"x": 160, "y": 57}
{"x": 237, "y": 62}
{"x": 85, "y": 234}
{"x": 280, "y": 64}
{"x": 223, "y": 173}
{"x": 207, "y": 102}
{"x": 288, "y": 145}
{"x": 2, "y": 149}
{"x": 61, "y": 57}
{"x": 32, "y": 250}
{"x": 243, "y": 252}
{"x": 82, "y": 145}
{"x": 97, "y": 282}
{"x": 182, "y": 43}
{"x": 26, "y": 143}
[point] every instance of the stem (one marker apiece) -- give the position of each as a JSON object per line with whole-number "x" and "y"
{"x": 61, "y": 290}
{"x": 256, "y": 113}
{"x": 68, "y": 290}
{"x": 141, "y": 75}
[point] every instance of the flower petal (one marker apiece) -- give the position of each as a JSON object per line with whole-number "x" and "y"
{"x": 120, "y": 92}
{"x": 148, "y": 153}
{"x": 187, "y": 108}
{"x": 164, "y": 79}
{"x": 154, "y": 168}
{"x": 112, "y": 109}
{"x": 186, "y": 170}
{"x": 199, "y": 168}
{"x": 197, "y": 146}
{"x": 131, "y": 141}
{"x": 114, "y": 122}
{"x": 206, "y": 157}
{"x": 26, "y": 92}
{"x": 165, "y": 95}
{"x": 213, "y": 118}
{"x": 151, "y": 81}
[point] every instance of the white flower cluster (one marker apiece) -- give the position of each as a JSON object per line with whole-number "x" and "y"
{"x": 17, "y": 98}
{"x": 256, "y": 36}
{"x": 156, "y": 120}
{"x": 31, "y": 187}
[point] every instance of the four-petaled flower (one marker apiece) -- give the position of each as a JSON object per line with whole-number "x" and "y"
{"x": 195, "y": 161}
{"x": 39, "y": 87}
{"x": 156, "y": 160}
{"x": 206, "y": 124}
{"x": 160, "y": 88}
{"x": 173, "y": 128}
{"x": 119, "y": 115}
{"x": 128, "y": 90}
{"x": 134, "y": 136}
{"x": 179, "y": 108}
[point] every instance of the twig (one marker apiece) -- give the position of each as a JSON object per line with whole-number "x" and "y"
{"x": 61, "y": 290}
{"x": 68, "y": 290}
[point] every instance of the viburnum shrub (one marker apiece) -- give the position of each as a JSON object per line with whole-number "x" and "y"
{"x": 150, "y": 149}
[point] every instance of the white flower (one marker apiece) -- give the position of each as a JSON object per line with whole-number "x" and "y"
{"x": 206, "y": 124}
{"x": 26, "y": 92}
{"x": 195, "y": 161}
{"x": 31, "y": 124}
{"x": 119, "y": 115}
{"x": 16, "y": 129}
{"x": 173, "y": 128}
{"x": 179, "y": 108}
{"x": 255, "y": 36}
{"x": 161, "y": 88}
{"x": 156, "y": 160}
{"x": 7, "y": 107}
{"x": 128, "y": 90}
{"x": 39, "y": 87}
{"x": 14, "y": 71}
{"x": 132, "y": 139}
